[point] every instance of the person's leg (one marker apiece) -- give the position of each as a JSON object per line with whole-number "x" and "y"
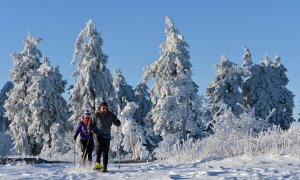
{"x": 83, "y": 148}
{"x": 106, "y": 143}
{"x": 90, "y": 151}
{"x": 98, "y": 149}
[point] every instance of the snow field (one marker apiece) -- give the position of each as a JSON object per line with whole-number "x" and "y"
{"x": 262, "y": 167}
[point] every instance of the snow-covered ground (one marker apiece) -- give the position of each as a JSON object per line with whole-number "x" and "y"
{"x": 277, "y": 167}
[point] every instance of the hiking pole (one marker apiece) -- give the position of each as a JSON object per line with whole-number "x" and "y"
{"x": 74, "y": 152}
{"x": 118, "y": 133}
{"x": 118, "y": 153}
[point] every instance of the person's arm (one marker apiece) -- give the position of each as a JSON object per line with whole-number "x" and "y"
{"x": 116, "y": 121}
{"x": 91, "y": 125}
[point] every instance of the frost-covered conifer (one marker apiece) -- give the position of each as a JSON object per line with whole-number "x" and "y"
{"x": 256, "y": 89}
{"x": 5, "y": 140}
{"x": 265, "y": 91}
{"x": 25, "y": 65}
{"x": 124, "y": 91}
{"x": 142, "y": 99}
{"x": 225, "y": 89}
{"x": 134, "y": 140}
{"x": 248, "y": 63}
{"x": 48, "y": 109}
{"x": 176, "y": 104}
{"x": 3, "y": 96}
{"x": 282, "y": 98}
{"x": 93, "y": 81}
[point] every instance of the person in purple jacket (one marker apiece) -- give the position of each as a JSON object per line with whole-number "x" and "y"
{"x": 86, "y": 139}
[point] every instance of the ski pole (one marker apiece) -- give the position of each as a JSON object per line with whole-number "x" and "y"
{"x": 118, "y": 153}
{"x": 118, "y": 132}
{"x": 74, "y": 152}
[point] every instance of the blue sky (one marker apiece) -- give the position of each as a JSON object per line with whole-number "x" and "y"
{"x": 133, "y": 31}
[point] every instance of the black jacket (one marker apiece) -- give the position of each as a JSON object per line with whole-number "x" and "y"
{"x": 101, "y": 124}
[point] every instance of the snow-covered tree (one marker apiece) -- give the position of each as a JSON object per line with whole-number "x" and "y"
{"x": 283, "y": 99}
{"x": 265, "y": 91}
{"x": 142, "y": 99}
{"x": 134, "y": 140}
{"x": 5, "y": 140}
{"x": 3, "y": 96}
{"x": 247, "y": 63}
{"x": 124, "y": 91}
{"x": 176, "y": 104}
{"x": 225, "y": 89}
{"x": 93, "y": 81}
{"x": 256, "y": 89}
{"x": 49, "y": 109}
{"x": 25, "y": 65}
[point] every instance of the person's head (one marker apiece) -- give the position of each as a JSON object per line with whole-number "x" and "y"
{"x": 86, "y": 116}
{"x": 103, "y": 107}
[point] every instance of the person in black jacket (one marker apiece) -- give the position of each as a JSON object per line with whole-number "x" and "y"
{"x": 100, "y": 125}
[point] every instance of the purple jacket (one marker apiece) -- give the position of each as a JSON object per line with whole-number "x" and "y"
{"x": 82, "y": 129}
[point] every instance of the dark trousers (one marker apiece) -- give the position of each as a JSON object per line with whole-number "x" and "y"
{"x": 102, "y": 148}
{"x": 87, "y": 148}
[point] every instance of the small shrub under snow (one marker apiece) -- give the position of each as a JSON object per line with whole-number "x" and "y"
{"x": 236, "y": 137}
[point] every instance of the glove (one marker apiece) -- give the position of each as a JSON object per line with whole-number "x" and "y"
{"x": 74, "y": 138}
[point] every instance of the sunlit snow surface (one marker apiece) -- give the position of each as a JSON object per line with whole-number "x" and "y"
{"x": 280, "y": 167}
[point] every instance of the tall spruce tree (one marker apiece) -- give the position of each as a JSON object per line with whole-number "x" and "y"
{"x": 225, "y": 89}
{"x": 48, "y": 109}
{"x": 282, "y": 98}
{"x": 176, "y": 104}
{"x": 265, "y": 91}
{"x": 25, "y": 65}
{"x": 256, "y": 89}
{"x": 93, "y": 81}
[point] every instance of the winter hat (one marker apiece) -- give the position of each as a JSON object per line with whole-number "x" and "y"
{"x": 103, "y": 104}
{"x": 87, "y": 111}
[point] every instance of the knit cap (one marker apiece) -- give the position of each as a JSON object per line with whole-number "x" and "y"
{"x": 87, "y": 111}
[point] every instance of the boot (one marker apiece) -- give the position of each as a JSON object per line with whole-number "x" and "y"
{"x": 98, "y": 167}
{"x": 104, "y": 169}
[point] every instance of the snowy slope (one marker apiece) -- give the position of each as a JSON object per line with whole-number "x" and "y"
{"x": 280, "y": 167}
